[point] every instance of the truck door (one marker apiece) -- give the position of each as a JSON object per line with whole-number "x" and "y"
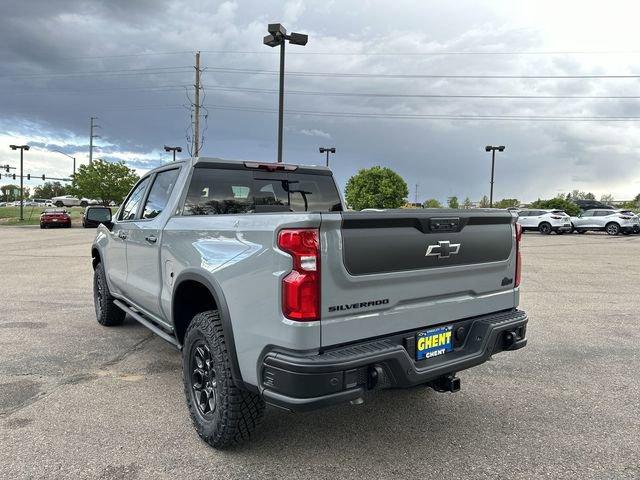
{"x": 116, "y": 259}
{"x": 144, "y": 276}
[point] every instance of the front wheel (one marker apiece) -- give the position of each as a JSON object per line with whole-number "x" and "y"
{"x": 544, "y": 228}
{"x": 222, "y": 414}
{"x": 612, "y": 228}
{"x": 59, "y": 203}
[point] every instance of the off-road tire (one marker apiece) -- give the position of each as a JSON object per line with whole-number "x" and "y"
{"x": 236, "y": 412}
{"x": 107, "y": 313}
{"x": 612, "y": 228}
{"x": 545, "y": 228}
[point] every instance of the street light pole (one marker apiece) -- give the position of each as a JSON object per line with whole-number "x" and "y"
{"x": 277, "y": 37}
{"x": 22, "y": 149}
{"x": 72, "y": 158}
{"x": 328, "y": 150}
{"x": 492, "y": 149}
{"x": 174, "y": 150}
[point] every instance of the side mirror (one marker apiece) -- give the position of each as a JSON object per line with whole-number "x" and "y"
{"x": 100, "y": 215}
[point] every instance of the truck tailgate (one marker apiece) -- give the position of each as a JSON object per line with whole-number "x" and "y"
{"x": 394, "y": 271}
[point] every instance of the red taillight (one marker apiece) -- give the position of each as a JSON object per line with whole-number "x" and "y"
{"x": 301, "y": 287}
{"x": 518, "y": 257}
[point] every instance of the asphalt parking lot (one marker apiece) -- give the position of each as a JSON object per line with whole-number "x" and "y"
{"x": 78, "y": 400}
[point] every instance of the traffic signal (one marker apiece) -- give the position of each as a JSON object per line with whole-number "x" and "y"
{"x": 43, "y": 177}
{"x": 28, "y": 176}
{"x": 14, "y": 176}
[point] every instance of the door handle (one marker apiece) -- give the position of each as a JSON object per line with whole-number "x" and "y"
{"x": 151, "y": 239}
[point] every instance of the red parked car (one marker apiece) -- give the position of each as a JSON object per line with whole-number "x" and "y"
{"x": 55, "y": 217}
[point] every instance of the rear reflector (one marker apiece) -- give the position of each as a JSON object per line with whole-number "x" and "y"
{"x": 301, "y": 287}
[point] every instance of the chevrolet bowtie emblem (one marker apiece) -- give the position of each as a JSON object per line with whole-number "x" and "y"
{"x": 444, "y": 249}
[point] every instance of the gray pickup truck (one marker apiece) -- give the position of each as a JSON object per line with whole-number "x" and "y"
{"x": 276, "y": 295}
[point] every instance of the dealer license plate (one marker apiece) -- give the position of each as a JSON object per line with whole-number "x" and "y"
{"x": 434, "y": 342}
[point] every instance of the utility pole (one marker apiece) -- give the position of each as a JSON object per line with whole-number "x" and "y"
{"x": 416, "y": 199}
{"x": 196, "y": 120}
{"x": 22, "y": 149}
{"x": 91, "y": 137}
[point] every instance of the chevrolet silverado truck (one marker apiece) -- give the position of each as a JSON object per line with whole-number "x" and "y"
{"x": 276, "y": 295}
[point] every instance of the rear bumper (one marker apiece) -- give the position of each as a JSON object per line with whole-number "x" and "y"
{"x": 299, "y": 382}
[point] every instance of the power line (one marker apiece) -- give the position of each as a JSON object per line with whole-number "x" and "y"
{"x": 398, "y": 75}
{"x": 129, "y": 71}
{"x": 403, "y": 116}
{"x": 425, "y": 95}
{"x": 433, "y": 53}
{"x": 182, "y": 69}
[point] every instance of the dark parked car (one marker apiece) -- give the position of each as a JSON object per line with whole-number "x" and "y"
{"x": 55, "y": 217}
{"x": 592, "y": 205}
{"x": 95, "y": 215}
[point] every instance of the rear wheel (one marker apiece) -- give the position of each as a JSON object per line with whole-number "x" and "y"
{"x": 581, "y": 231}
{"x": 84, "y": 203}
{"x": 612, "y": 228}
{"x": 59, "y": 203}
{"x": 544, "y": 228}
{"x": 107, "y": 313}
{"x": 222, "y": 414}
{"x": 42, "y": 225}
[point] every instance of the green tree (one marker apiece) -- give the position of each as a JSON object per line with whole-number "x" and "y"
{"x": 103, "y": 181}
{"x": 484, "y": 202}
{"x": 580, "y": 195}
{"x": 453, "y": 202}
{"x": 507, "y": 203}
{"x": 432, "y": 203}
{"x": 467, "y": 203}
{"x": 608, "y": 198}
{"x": 10, "y": 193}
{"x": 558, "y": 203}
{"x": 50, "y": 190}
{"x": 376, "y": 187}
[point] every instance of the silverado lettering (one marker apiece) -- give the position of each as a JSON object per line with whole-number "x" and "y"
{"x": 352, "y": 306}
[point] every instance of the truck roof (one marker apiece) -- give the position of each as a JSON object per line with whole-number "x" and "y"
{"x": 245, "y": 163}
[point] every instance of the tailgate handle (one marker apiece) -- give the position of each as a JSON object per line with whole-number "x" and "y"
{"x": 444, "y": 224}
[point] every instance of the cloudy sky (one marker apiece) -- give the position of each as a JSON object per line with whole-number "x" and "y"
{"x": 379, "y": 80}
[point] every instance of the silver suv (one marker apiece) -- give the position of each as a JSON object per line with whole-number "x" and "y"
{"x": 545, "y": 221}
{"x": 611, "y": 221}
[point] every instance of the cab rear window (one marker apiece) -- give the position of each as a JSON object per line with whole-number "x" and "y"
{"x": 215, "y": 191}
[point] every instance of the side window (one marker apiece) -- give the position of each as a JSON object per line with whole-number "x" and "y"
{"x": 130, "y": 207}
{"x": 160, "y": 192}
{"x": 587, "y": 213}
{"x": 524, "y": 213}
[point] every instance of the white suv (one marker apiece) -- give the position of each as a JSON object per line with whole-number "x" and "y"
{"x": 545, "y": 221}
{"x": 611, "y": 221}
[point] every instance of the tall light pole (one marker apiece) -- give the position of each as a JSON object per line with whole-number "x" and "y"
{"x": 328, "y": 150}
{"x": 174, "y": 150}
{"x": 72, "y": 158}
{"x": 22, "y": 149}
{"x": 278, "y": 36}
{"x": 492, "y": 149}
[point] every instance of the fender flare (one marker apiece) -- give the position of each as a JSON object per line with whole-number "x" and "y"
{"x": 215, "y": 290}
